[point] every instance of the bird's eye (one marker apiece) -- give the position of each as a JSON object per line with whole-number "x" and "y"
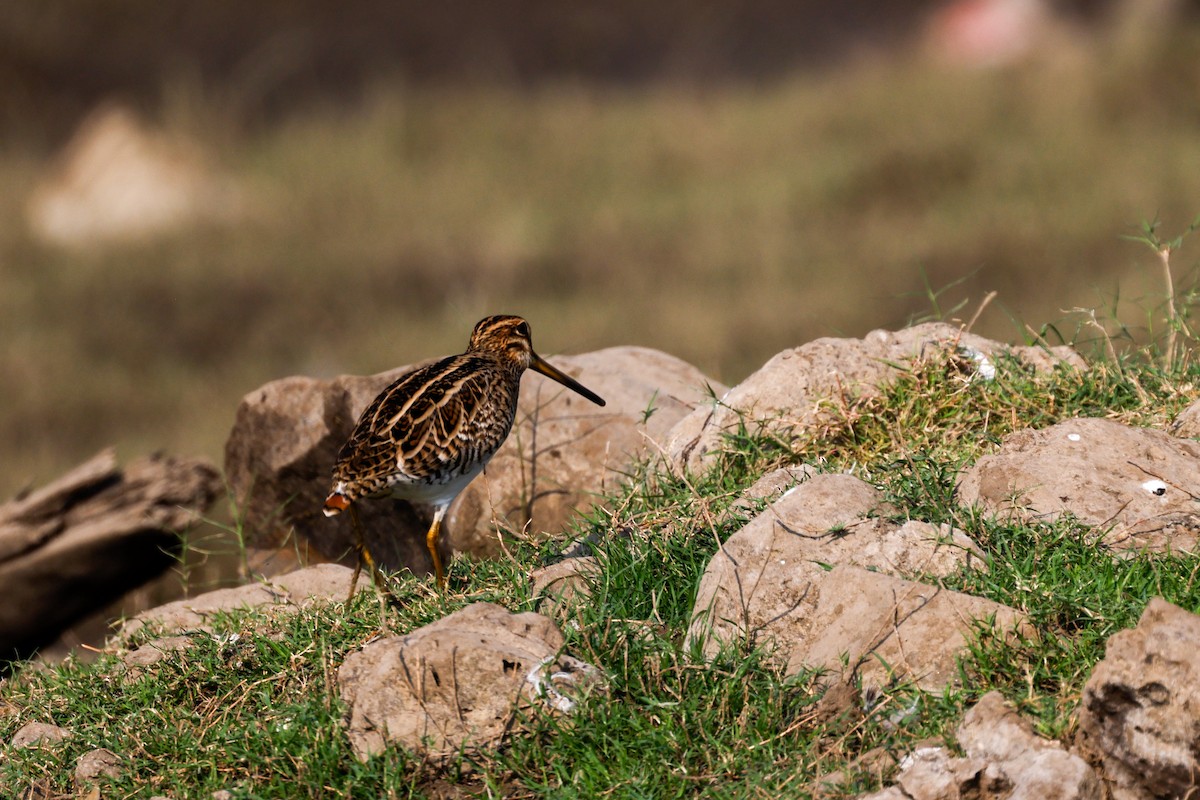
{"x": 523, "y": 330}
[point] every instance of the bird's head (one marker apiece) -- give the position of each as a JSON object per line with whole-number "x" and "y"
{"x": 508, "y": 337}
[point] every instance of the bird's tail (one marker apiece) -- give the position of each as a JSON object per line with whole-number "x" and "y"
{"x": 336, "y": 503}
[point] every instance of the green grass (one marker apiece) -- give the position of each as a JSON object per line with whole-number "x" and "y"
{"x": 253, "y": 707}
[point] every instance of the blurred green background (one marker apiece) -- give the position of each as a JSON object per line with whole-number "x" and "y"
{"x": 721, "y": 181}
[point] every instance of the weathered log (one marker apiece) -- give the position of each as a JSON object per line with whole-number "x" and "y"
{"x": 81, "y": 542}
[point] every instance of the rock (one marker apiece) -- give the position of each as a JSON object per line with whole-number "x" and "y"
{"x": 35, "y": 734}
{"x": 992, "y": 730}
{"x": 835, "y": 518}
{"x": 324, "y": 583}
{"x": 770, "y": 581}
{"x": 1139, "y": 717}
{"x": 458, "y": 683}
{"x": 81, "y": 542}
{"x": 819, "y": 504}
{"x": 278, "y": 462}
{"x": 563, "y": 585}
{"x": 1187, "y": 424}
{"x": 280, "y": 453}
{"x": 1133, "y": 484}
{"x": 887, "y": 627}
{"x": 890, "y": 793}
{"x": 771, "y": 486}
{"x": 96, "y": 764}
{"x": 563, "y": 451}
{"x": 154, "y": 651}
{"x": 793, "y": 391}
{"x": 1004, "y": 760}
{"x": 1036, "y": 768}
{"x": 933, "y": 773}
{"x": 118, "y": 179}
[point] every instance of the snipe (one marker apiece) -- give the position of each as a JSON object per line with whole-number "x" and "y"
{"x": 426, "y": 436}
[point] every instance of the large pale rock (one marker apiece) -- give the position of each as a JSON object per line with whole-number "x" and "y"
{"x": 324, "y": 583}
{"x": 770, "y": 582}
{"x": 1187, "y": 424}
{"x": 36, "y": 734}
{"x": 119, "y": 179}
{"x": 460, "y": 682}
{"x": 562, "y": 449}
{"x": 1139, "y": 717}
{"x": 77, "y": 544}
{"x": 279, "y": 459}
{"x": 1134, "y": 484}
{"x": 799, "y": 389}
{"x": 887, "y": 627}
{"x": 770, "y": 486}
{"x": 1005, "y": 760}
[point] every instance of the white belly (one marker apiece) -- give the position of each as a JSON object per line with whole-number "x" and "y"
{"x": 434, "y": 494}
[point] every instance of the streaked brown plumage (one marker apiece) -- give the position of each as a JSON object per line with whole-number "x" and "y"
{"x": 426, "y": 436}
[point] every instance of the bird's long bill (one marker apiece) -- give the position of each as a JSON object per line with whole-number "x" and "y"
{"x": 544, "y": 367}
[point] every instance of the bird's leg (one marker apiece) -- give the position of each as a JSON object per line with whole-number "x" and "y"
{"x": 377, "y": 579}
{"x": 431, "y": 541}
{"x": 364, "y": 554}
{"x": 358, "y": 553}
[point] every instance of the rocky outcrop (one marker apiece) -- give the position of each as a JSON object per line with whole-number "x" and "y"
{"x": 1138, "y": 737}
{"x": 770, "y": 583}
{"x": 462, "y": 682}
{"x": 1139, "y": 718}
{"x": 458, "y": 683}
{"x": 1135, "y": 485}
{"x": 799, "y": 389}
{"x": 175, "y": 625}
{"x": 278, "y": 462}
{"x": 1005, "y": 760}
{"x": 561, "y": 452}
{"x": 824, "y": 572}
{"x": 323, "y": 583}
{"x": 81, "y": 542}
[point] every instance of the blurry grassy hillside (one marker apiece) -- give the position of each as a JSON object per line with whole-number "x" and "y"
{"x": 721, "y": 225}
